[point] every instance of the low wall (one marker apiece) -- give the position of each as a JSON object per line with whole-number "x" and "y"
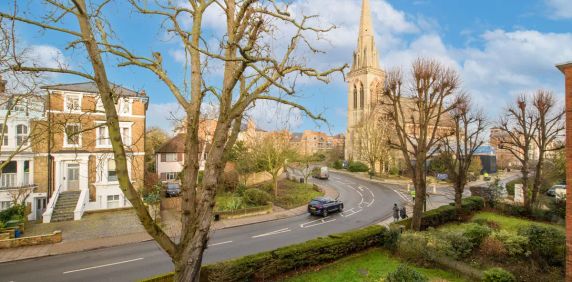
{"x": 171, "y": 203}
{"x": 245, "y": 212}
{"x": 53, "y": 238}
{"x": 256, "y": 178}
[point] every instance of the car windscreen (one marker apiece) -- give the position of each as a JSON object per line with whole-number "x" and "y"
{"x": 172, "y": 187}
{"x": 315, "y": 202}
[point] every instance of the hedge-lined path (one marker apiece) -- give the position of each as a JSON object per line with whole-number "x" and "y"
{"x": 366, "y": 203}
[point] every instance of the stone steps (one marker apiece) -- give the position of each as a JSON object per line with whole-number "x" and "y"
{"x": 65, "y": 206}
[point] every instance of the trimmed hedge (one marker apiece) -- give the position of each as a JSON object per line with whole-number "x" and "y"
{"x": 446, "y": 213}
{"x": 357, "y": 167}
{"x": 264, "y": 266}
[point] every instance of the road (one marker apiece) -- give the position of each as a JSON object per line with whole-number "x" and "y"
{"x": 365, "y": 203}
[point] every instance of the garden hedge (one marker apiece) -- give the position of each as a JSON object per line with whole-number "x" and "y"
{"x": 264, "y": 266}
{"x": 446, "y": 213}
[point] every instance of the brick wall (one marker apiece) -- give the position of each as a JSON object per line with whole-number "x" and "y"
{"x": 567, "y": 69}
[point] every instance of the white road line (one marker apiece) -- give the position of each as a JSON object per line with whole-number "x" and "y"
{"x": 317, "y": 222}
{"x": 350, "y": 212}
{"x": 284, "y": 230}
{"x": 221, "y": 243}
{"x": 104, "y": 265}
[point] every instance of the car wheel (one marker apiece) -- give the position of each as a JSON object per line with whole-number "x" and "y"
{"x": 325, "y": 213}
{"x": 341, "y": 208}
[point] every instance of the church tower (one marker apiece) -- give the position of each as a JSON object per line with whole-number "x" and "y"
{"x": 365, "y": 80}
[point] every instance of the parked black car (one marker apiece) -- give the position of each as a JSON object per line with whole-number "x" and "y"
{"x": 324, "y": 206}
{"x": 172, "y": 189}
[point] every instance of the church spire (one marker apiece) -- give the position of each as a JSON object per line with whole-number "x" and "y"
{"x": 365, "y": 55}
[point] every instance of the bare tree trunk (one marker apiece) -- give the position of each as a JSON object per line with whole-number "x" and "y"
{"x": 537, "y": 178}
{"x": 420, "y": 184}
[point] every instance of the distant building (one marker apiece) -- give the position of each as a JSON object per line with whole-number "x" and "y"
{"x": 311, "y": 142}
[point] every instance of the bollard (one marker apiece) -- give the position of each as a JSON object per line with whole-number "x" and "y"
{"x": 434, "y": 189}
{"x": 408, "y": 187}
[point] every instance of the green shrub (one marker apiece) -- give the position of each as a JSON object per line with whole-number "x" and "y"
{"x": 391, "y": 240}
{"x": 264, "y": 266}
{"x": 13, "y": 212}
{"x": 515, "y": 245}
{"x": 256, "y": 197}
{"x": 445, "y": 214}
{"x": 358, "y": 167}
{"x": 546, "y": 244}
{"x": 498, "y": 274}
{"x": 338, "y": 164}
{"x": 229, "y": 203}
{"x": 240, "y": 189}
{"x": 405, "y": 273}
{"x": 476, "y": 233}
{"x": 413, "y": 246}
{"x": 460, "y": 246}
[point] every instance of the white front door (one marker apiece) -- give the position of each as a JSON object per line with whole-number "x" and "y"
{"x": 72, "y": 177}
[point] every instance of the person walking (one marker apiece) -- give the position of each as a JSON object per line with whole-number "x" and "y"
{"x": 395, "y": 213}
{"x": 413, "y": 195}
{"x": 403, "y": 212}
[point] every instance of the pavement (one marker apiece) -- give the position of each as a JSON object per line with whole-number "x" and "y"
{"x": 365, "y": 203}
{"x": 109, "y": 229}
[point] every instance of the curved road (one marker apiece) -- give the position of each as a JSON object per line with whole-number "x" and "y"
{"x": 365, "y": 203}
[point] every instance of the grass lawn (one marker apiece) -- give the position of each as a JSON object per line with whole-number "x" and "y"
{"x": 511, "y": 224}
{"x": 293, "y": 194}
{"x": 371, "y": 265}
{"x": 508, "y": 223}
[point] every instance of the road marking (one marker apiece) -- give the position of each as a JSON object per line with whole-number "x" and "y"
{"x": 317, "y": 222}
{"x": 284, "y": 230}
{"x": 104, "y": 265}
{"x": 221, "y": 243}
{"x": 350, "y": 212}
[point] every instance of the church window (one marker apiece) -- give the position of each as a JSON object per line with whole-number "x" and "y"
{"x": 355, "y": 97}
{"x": 361, "y": 97}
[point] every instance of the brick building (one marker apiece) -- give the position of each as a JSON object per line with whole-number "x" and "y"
{"x": 81, "y": 173}
{"x": 311, "y": 142}
{"x": 566, "y": 69}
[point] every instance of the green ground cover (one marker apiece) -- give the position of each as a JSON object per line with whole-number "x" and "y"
{"x": 293, "y": 194}
{"x": 371, "y": 265}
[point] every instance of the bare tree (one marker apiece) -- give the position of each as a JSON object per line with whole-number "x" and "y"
{"x": 254, "y": 68}
{"x": 419, "y": 112}
{"x": 271, "y": 154}
{"x": 469, "y": 127}
{"x": 549, "y": 123}
{"x": 519, "y": 125}
{"x": 373, "y": 140}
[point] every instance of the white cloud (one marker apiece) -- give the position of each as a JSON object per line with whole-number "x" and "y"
{"x": 44, "y": 55}
{"x": 164, "y": 116}
{"x": 270, "y": 115}
{"x": 560, "y": 9}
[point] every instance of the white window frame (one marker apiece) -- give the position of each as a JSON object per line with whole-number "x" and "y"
{"x": 68, "y": 145}
{"x": 124, "y": 106}
{"x": 4, "y": 205}
{"x": 102, "y": 142}
{"x": 114, "y": 199}
{"x": 19, "y": 135}
{"x": 167, "y": 160}
{"x": 6, "y": 141}
{"x": 68, "y": 96}
{"x": 99, "y": 105}
{"x": 107, "y": 171}
{"x": 171, "y": 176}
{"x": 126, "y": 139}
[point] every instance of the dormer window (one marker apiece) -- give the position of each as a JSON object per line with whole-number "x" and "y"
{"x": 72, "y": 103}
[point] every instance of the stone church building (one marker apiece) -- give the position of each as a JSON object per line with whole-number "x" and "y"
{"x": 365, "y": 79}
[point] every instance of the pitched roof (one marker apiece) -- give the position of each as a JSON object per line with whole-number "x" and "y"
{"x": 174, "y": 145}
{"x": 91, "y": 87}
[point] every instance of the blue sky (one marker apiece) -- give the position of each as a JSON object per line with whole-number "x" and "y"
{"x": 500, "y": 49}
